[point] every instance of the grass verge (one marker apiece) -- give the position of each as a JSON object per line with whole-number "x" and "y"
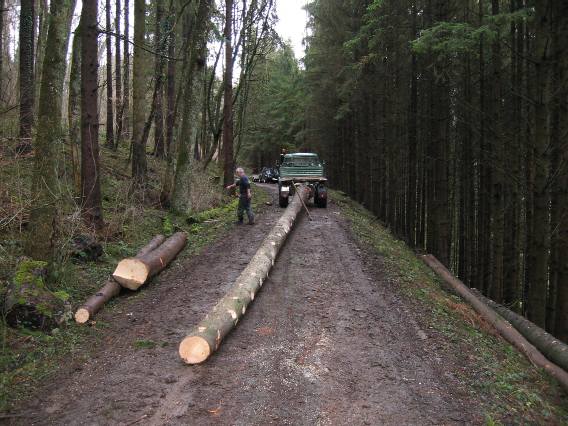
{"x": 510, "y": 390}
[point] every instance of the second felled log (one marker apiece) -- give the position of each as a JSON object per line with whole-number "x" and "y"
{"x": 132, "y": 273}
{"x": 111, "y": 288}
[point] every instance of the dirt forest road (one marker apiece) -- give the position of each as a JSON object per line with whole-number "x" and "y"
{"x": 327, "y": 341}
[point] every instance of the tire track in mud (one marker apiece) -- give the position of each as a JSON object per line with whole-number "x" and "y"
{"x": 328, "y": 340}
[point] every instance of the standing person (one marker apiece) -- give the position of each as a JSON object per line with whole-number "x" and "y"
{"x": 245, "y": 196}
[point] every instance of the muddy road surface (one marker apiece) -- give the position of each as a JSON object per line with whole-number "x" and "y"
{"x": 327, "y": 341}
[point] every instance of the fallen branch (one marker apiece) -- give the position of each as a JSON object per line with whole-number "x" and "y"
{"x": 206, "y": 337}
{"x": 132, "y": 273}
{"x": 550, "y": 346}
{"x": 506, "y": 330}
{"x": 111, "y": 288}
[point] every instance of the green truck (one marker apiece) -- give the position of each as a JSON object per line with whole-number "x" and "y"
{"x": 302, "y": 168}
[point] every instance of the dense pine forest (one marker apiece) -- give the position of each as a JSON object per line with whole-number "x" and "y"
{"x": 448, "y": 119}
{"x": 123, "y": 119}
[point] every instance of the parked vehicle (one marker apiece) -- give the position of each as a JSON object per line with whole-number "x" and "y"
{"x": 269, "y": 175}
{"x": 255, "y": 177}
{"x": 303, "y": 168}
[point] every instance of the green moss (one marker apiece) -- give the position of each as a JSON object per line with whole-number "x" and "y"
{"x": 27, "y": 274}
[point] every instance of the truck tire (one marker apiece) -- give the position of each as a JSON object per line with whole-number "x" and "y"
{"x": 283, "y": 201}
{"x": 318, "y": 201}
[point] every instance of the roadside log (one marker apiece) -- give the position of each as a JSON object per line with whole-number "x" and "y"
{"x": 550, "y": 346}
{"x": 206, "y": 337}
{"x": 506, "y": 330}
{"x": 111, "y": 288}
{"x": 133, "y": 272}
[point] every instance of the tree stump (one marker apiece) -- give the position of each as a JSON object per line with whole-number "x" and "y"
{"x": 29, "y": 303}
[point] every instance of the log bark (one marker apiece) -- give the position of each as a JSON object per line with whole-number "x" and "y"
{"x": 132, "y": 273}
{"x": 550, "y": 346}
{"x": 506, "y": 330}
{"x": 206, "y": 337}
{"x": 111, "y": 288}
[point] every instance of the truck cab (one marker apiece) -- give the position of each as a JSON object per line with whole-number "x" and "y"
{"x": 302, "y": 168}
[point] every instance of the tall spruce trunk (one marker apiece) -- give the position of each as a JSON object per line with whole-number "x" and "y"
{"x": 117, "y": 77}
{"x": 45, "y": 191}
{"x": 2, "y": 6}
{"x": 228, "y": 163}
{"x": 561, "y": 240}
{"x": 138, "y": 95}
{"x": 126, "y": 84}
{"x": 109, "y": 93}
{"x": 171, "y": 84}
{"x": 26, "y": 68}
{"x": 539, "y": 238}
{"x": 158, "y": 81}
{"x": 74, "y": 109}
{"x": 195, "y": 64}
{"x": 91, "y": 203}
{"x": 497, "y": 175}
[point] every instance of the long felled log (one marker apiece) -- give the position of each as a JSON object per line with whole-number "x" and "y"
{"x": 206, "y": 337}
{"x": 506, "y": 330}
{"x": 111, "y": 288}
{"x": 132, "y": 273}
{"x": 550, "y": 346}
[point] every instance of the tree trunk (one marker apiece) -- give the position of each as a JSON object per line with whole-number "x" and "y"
{"x": 134, "y": 272}
{"x": 196, "y": 61}
{"x": 45, "y": 191}
{"x": 561, "y": 245}
{"x": 118, "y": 78}
{"x": 91, "y": 203}
{"x": 171, "y": 84}
{"x": 158, "y": 81}
{"x": 138, "y": 95}
{"x": 26, "y": 63}
{"x": 126, "y": 84}
{"x": 208, "y": 334}
{"x": 2, "y": 6}
{"x": 74, "y": 109}
{"x": 539, "y": 241}
{"x": 111, "y": 287}
{"x": 497, "y": 174}
{"x": 228, "y": 165}
{"x": 109, "y": 104}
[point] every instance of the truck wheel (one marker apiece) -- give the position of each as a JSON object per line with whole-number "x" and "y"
{"x": 283, "y": 201}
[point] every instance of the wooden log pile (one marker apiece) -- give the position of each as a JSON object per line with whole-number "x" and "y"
{"x": 504, "y": 328}
{"x": 206, "y": 337}
{"x": 158, "y": 253}
{"x": 550, "y": 346}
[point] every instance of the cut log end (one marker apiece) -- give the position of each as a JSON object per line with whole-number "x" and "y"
{"x": 82, "y": 315}
{"x": 194, "y": 350}
{"x": 131, "y": 273}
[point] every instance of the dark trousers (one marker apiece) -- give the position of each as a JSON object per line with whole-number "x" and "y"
{"x": 244, "y": 206}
